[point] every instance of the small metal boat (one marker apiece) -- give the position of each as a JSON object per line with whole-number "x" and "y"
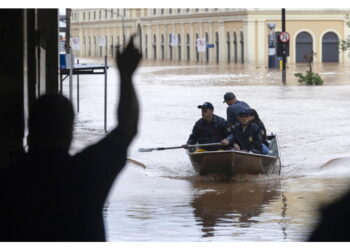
{"x": 233, "y": 162}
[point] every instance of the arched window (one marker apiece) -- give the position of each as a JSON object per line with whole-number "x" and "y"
{"x": 112, "y": 46}
{"x": 162, "y": 46}
{"x": 217, "y": 46}
{"x": 207, "y": 50}
{"x": 235, "y": 47}
{"x": 242, "y": 47}
{"x": 154, "y": 47}
{"x": 330, "y": 47}
{"x": 179, "y": 45}
{"x": 303, "y": 46}
{"x": 228, "y": 44}
{"x": 170, "y": 48}
{"x": 146, "y": 46}
{"x": 188, "y": 47}
{"x": 197, "y": 53}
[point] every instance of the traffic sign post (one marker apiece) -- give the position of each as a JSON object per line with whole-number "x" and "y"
{"x": 284, "y": 41}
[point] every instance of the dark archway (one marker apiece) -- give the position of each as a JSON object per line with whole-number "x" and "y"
{"x": 89, "y": 48}
{"x": 303, "y": 46}
{"x": 217, "y": 47}
{"x": 154, "y": 47}
{"x": 170, "y": 48}
{"x": 330, "y": 47}
{"x": 138, "y": 43}
{"x": 235, "y": 47}
{"x": 179, "y": 45}
{"x": 228, "y": 42}
{"x": 206, "y": 50}
{"x": 112, "y": 46}
{"x": 162, "y": 46}
{"x": 188, "y": 47}
{"x": 242, "y": 47}
{"x": 146, "y": 46}
{"x": 197, "y": 53}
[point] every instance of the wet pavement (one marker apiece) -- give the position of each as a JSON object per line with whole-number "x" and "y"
{"x": 167, "y": 201}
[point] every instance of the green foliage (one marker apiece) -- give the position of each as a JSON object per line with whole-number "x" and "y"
{"x": 310, "y": 78}
{"x": 345, "y": 44}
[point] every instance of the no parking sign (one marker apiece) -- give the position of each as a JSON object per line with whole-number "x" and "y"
{"x": 284, "y": 37}
{"x": 74, "y": 43}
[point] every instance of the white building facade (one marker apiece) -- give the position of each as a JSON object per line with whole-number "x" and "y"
{"x": 231, "y": 35}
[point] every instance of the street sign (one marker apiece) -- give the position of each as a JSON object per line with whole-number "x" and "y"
{"x": 284, "y": 37}
{"x": 210, "y": 45}
{"x": 102, "y": 41}
{"x": 74, "y": 43}
{"x": 174, "y": 39}
{"x": 201, "y": 45}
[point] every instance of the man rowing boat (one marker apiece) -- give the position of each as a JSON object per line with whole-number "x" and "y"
{"x": 210, "y": 128}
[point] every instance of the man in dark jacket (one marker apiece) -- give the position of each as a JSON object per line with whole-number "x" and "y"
{"x": 245, "y": 134}
{"x": 209, "y": 129}
{"x": 234, "y": 107}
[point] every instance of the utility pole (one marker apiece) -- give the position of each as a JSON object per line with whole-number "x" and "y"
{"x": 284, "y": 56}
{"x": 69, "y": 52}
{"x": 272, "y": 50}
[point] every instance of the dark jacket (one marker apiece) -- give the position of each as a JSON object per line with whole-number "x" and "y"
{"x": 204, "y": 132}
{"x": 249, "y": 140}
{"x": 233, "y": 111}
{"x": 262, "y": 131}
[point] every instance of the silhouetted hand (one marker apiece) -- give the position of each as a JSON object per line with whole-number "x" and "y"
{"x": 128, "y": 60}
{"x": 128, "y": 109}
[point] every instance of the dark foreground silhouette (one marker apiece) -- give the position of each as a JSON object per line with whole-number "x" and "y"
{"x": 49, "y": 195}
{"x": 335, "y": 221}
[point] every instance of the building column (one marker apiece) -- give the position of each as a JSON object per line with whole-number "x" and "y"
{"x": 261, "y": 44}
{"x": 222, "y": 43}
{"x": 249, "y": 39}
{"x": 344, "y": 55}
{"x": 211, "y": 38}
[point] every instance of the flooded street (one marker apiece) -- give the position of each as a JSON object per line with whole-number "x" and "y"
{"x": 167, "y": 201}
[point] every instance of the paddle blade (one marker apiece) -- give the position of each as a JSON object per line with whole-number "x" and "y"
{"x": 145, "y": 149}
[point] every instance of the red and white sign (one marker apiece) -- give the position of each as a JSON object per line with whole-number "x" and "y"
{"x": 201, "y": 45}
{"x": 74, "y": 43}
{"x": 284, "y": 37}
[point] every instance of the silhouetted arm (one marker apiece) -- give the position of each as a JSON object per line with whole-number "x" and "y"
{"x": 128, "y": 109}
{"x": 102, "y": 161}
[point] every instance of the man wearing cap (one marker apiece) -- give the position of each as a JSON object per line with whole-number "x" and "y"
{"x": 234, "y": 107}
{"x": 209, "y": 129}
{"x": 245, "y": 134}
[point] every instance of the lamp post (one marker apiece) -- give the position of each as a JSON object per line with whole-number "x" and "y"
{"x": 123, "y": 23}
{"x": 272, "y": 50}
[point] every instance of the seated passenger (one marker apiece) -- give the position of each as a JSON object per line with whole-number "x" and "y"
{"x": 245, "y": 135}
{"x": 209, "y": 129}
{"x": 255, "y": 118}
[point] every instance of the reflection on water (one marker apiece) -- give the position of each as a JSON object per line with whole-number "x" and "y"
{"x": 232, "y": 204}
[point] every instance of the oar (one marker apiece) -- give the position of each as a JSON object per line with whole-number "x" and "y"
{"x": 190, "y": 146}
{"x": 137, "y": 162}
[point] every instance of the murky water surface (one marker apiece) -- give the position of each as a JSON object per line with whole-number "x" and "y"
{"x": 168, "y": 201}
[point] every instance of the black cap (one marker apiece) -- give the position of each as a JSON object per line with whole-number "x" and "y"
{"x": 244, "y": 112}
{"x": 206, "y": 105}
{"x": 228, "y": 96}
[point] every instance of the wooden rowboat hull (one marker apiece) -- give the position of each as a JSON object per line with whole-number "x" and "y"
{"x": 233, "y": 162}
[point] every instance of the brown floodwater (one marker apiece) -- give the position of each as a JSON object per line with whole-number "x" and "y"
{"x": 167, "y": 201}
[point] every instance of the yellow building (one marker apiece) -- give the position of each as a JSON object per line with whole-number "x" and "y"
{"x": 233, "y": 35}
